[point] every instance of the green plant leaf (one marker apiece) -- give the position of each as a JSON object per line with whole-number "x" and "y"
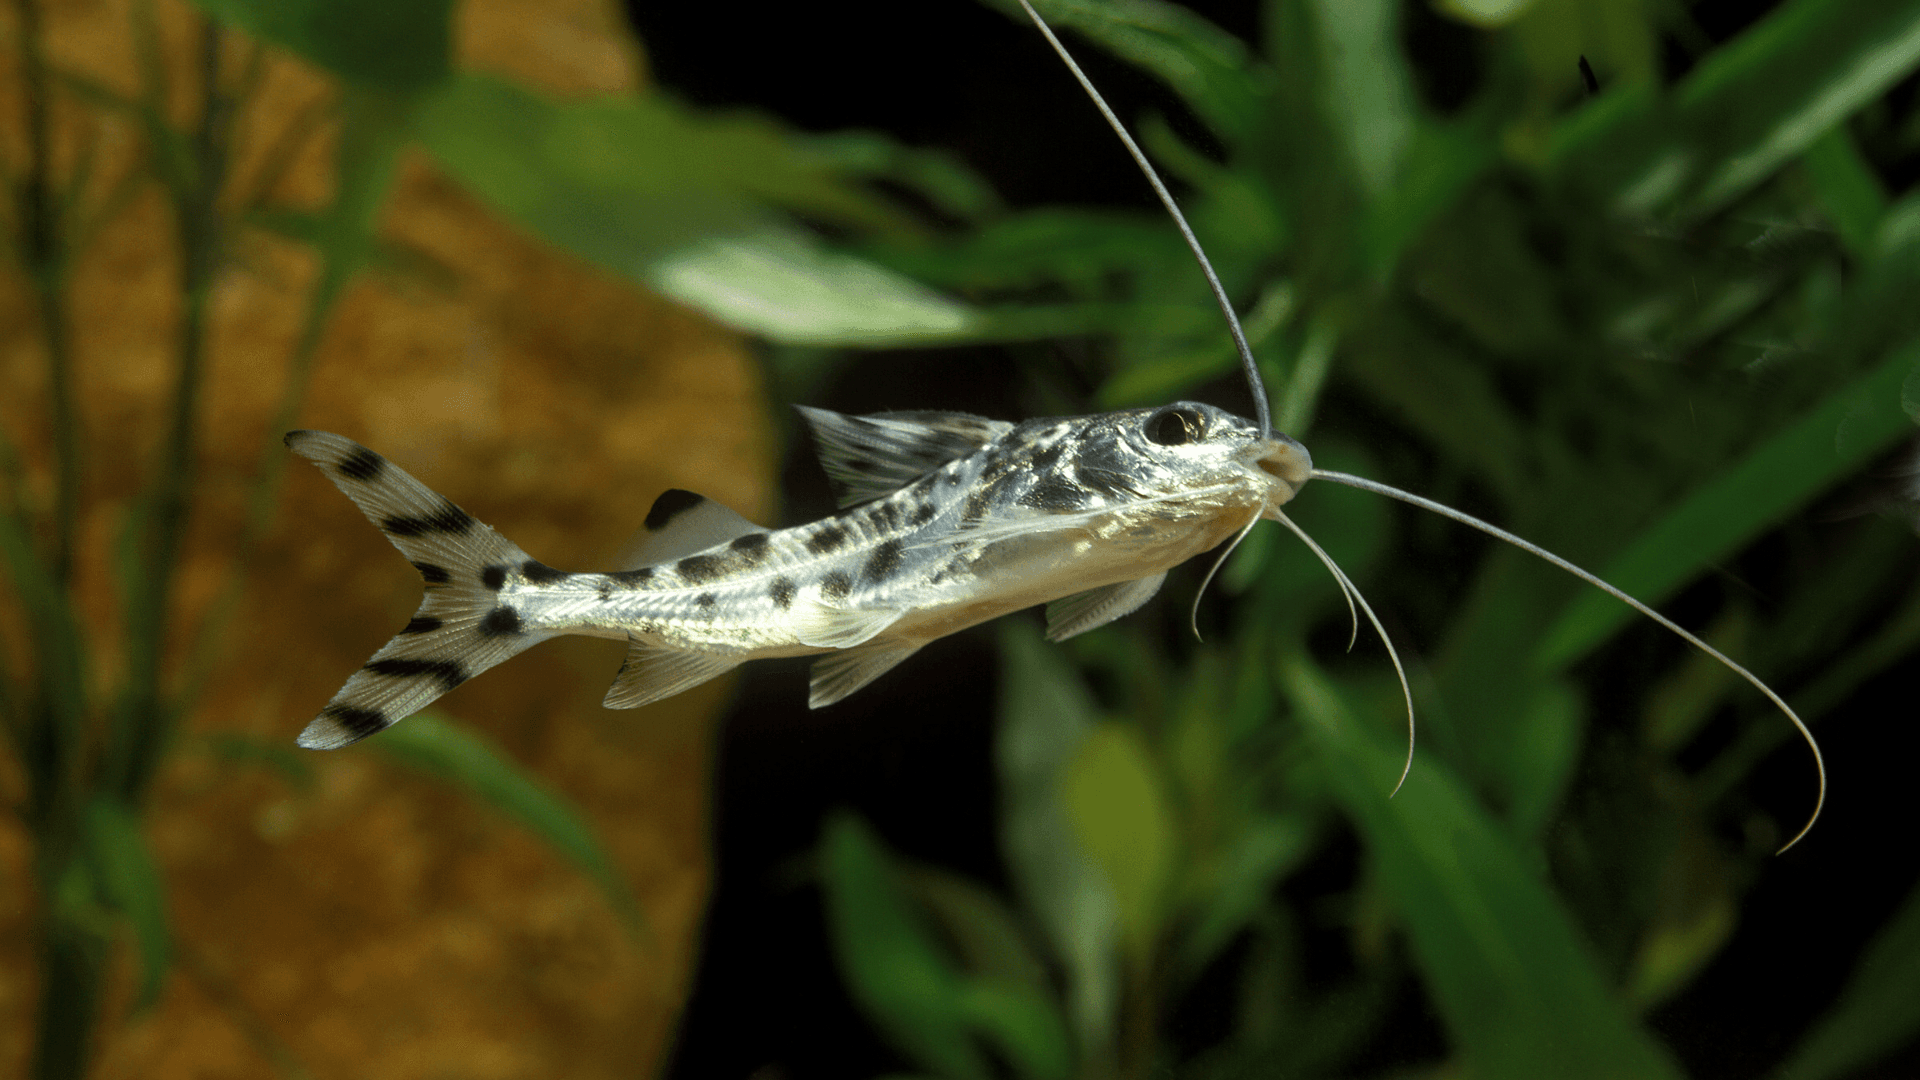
{"x": 1878, "y": 1011}
{"x": 891, "y": 964}
{"x": 1848, "y": 190}
{"x": 1838, "y": 437}
{"x": 1364, "y": 90}
{"x": 1118, "y": 804}
{"x": 121, "y": 862}
{"x": 1507, "y": 968}
{"x": 1746, "y": 110}
{"x": 402, "y": 45}
{"x": 1045, "y": 716}
{"x": 680, "y": 201}
{"x": 449, "y": 751}
{"x": 1208, "y": 67}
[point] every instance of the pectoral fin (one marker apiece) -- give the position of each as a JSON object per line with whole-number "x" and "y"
{"x": 838, "y": 674}
{"x": 1084, "y": 611}
{"x": 652, "y": 673}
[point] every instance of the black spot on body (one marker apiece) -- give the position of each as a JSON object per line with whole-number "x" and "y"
{"x": 705, "y": 601}
{"x": 885, "y": 516}
{"x": 540, "y": 573}
{"x": 977, "y": 505}
{"x": 363, "y": 465}
{"x": 836, "y": 586}
{"x": 636, "y": 576}
{"x": 1048, "y": 458}
{"x": 500, "y": 622}
{"x": 828, "y": 539}
{"x": 493, "y": 577}
{"x": 1101, "y": 473}
{"x": 1056, "y": 494}
{"x": 359, "y": 723}
{"x": 782, "y": 592}
{"x": 421, "y": 624}
{"x": 605, "y": 589}
{"x": 698, "y": 568}
{"x": 751, "y": 547}
{"x": 448, "y": 519}
{"x": 435, "y": 575}
{"x": 882, "y": 563}
{"x": 451, "y": 673}
{"x": 671, "y": 504}
{"x": 922, "y": 514}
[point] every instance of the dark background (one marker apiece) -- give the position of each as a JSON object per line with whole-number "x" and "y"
{"x": 912, "y": 753}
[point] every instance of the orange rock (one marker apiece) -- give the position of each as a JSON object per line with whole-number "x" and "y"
{"x": 380, "y": 925}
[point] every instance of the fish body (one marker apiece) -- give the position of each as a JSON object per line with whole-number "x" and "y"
{"x": 949, "y": 520}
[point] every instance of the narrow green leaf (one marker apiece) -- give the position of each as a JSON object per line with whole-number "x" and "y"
{"x": 1847, "y": 188}
{"x": 394, "y": 44}
{"x": 449, "y": 751}
{"x": 1781, "y": 85}
{"x": 1878, "y": 1011}
{"x": 1512, "y": 978}
{"x": 1836, "y": 438}
{"x": 1045, "y": 716}
{"x": 124, "y": 867}
{"x": 1747, "y": 110}
{"x": 892, "y": 966}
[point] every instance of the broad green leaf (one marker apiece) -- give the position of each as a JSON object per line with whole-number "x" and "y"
{"x": 1878, "y": 1011}
{"x": 1023, "y": 1024}
{"x": 1045, "y": 716}
{"x": 1512, "y": 978}
{"x": 1835, "y": 439}
{"x": 681, "y": 201}
{"x": 123, "y": 865}
{"x": 1364, "y": 88}
{"x": 401, "y": 45}
{"x": 781, "y": 284}
{"x": 892, "y": 966}
{"x": 464, "y": 758}
{"x": 1118, "y": 804}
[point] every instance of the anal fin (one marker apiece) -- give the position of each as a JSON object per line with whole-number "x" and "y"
{"x": 838, "y": 674}
{"x": 652, "y": 673}
{"x": 1083, "y": 611}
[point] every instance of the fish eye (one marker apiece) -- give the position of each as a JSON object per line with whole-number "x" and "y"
{"x": 1175, "y": 425}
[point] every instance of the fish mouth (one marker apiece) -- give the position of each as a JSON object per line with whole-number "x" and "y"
{"x": 1286, "y": 461}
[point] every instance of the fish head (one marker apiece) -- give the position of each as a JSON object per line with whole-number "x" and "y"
{"x": 1190, "y": 446}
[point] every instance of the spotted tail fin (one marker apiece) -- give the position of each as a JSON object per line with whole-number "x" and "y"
{"x": 461, "y": 628}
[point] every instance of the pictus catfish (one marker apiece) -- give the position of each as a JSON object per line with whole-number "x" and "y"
{"x": 947, "y": 520}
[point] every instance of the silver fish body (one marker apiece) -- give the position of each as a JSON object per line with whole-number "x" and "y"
{"x": 950, "y": 520}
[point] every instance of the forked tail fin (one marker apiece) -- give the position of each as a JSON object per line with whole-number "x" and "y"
{"x": 461, "y": 628}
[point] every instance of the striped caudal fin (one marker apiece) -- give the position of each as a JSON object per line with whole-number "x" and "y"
{"x": 461, "y": 629}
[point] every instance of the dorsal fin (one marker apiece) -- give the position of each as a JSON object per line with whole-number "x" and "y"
{"x": 868, "y": 457}
{"x": 681, "y": 523}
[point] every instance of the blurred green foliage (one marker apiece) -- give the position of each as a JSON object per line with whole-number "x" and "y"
{"x": 1643, "y": 328}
